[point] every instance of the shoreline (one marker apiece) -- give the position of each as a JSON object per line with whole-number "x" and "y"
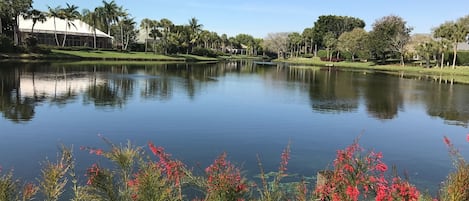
{"x": 458, "y": 75}
{"x": 70, "y": 55}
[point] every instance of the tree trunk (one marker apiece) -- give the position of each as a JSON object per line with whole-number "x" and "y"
{"x": 315, "y": 50}
{"x": 122, "y": 37}
{"x": 442, "y": 59}
{"x": 16, "y": 35}
{"x": 427, "y": 60}
{"x": 65, "y": 35}
{"x": 146, "y": 39}
{"x": 55, "y": 33}
{"x": 1, "y": 26}
{"x": 455, "y": 51}
{"x": 312, "y": 47}
{"x": 94, "y": 37}
{"x": 402, "y": 60}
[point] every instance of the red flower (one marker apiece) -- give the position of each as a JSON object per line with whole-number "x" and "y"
{"x": 381, "y": 167}
{"x": 153, "y": 148}
{"x": 446, "y": 140}
{"x": 98, "y": 152}
{"x": 92, "y": 173}
{"x": 352, "y": 192}
{"x": 467, "y": 138}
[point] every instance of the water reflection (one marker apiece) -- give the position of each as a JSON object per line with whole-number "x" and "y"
{"x": 24, "y": 86}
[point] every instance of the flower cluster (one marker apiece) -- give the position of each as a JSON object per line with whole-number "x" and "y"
{"x": 456, "y": 186}
{"x": 92, "y": 173}
{"x": 224, "y": 181}
{"x": 174, "y": 169}
{"x": 358, "y": 174}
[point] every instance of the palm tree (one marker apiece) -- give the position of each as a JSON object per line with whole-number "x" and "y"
{"x": 36, "y": 16}
{"x": 70, "y": 14}
{"x": 111, "y": 14}
{"x": 195, "y": 28}
{"x": 128, "y": 31}
{"x": 167, "y": 26}
{"x": 55, "y": 13}
{"x": 154, "y": 32}
{"x": 455, "y": 32}
{"x": 92, "y": 18}
{"x": 146, "y": 24}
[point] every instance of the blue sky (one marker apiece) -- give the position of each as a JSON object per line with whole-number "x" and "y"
{"x": 260, "y": 17}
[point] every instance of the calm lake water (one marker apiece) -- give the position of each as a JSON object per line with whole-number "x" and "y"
{"x": 197, "y": 111}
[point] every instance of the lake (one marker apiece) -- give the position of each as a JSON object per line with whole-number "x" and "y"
{"x": 198, "y": 111}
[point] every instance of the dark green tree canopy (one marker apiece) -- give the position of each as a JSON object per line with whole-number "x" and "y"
{"x": 390, "y": 34}
{"x": 335, "y": 25}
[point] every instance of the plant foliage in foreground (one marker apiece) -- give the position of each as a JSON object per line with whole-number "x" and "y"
{"x": 139, "y": 174}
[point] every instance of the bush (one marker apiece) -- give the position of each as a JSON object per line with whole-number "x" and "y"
{"x": 333, "y": 59}
{"x": 6, "y": 45}
{"x": 322, "y": 53}
{"x": 199, "y": 51}
{"x": 456, "y": 186}
{"x": 462, "y": 58}
{"x": 307, "y": 55}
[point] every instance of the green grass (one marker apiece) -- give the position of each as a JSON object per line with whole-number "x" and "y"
{"x": 190, "y": 57}
{"x": 459, "y": 74}
{"x": 240, "y": 57}
{"x": 110, "y": 55}
{"x": 105, "y": 56}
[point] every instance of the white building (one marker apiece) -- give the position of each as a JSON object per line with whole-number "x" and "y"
{"x": 78, "y": 33}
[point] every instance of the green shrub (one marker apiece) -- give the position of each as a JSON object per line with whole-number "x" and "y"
{"x": 322, "y": 53}
{"x": 199, "y": 51}
{"x": 462, "y": 58}
{"x": 307, "y": 55}
{"x": 456, "y": 186}
{"x": 6, "y": 45}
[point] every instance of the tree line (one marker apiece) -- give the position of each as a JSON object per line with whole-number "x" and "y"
{"x": 339, "y": 36}
{"x": 389, "y": 39}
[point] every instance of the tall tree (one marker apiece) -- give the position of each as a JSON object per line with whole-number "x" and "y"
{"x": 390, "y": 34}
{"x": 13, "y": 9}
{"x": 195, "y": 28}
{"x": 70, "y": 13}
{"x": 154, "y": 32}
{"x": 224, "y": 42}
{"x": 128, "y": 31}
{"x": 55, "y": 13}
{"x": 335, "y": 25}
{"x": 308, "y": 35}
{"x": 145, "y": 24}
{"x": 426, "y": 47}
{"x": 330, "y": 42}
{"x": 455, "y": 32}
{"x": 167, "y": 26}
{"x": 352, "y": 41}
{"x": 35, "y": 16}
{"x": 112, "y": 12}
{"x": 277, "y": 42}
{"x": 93, "y": 19}
{"x": 443, "y": 46}
{"x": 294, "y": 40}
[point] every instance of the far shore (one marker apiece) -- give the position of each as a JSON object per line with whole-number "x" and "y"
{"x": 447, "y": 74}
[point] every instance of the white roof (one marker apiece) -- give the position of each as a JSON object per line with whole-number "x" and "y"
{"x": 80, "y": 28}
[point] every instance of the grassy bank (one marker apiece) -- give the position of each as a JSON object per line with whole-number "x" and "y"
{"x": 460, "y": 74}
{"x": 104, "y": 55}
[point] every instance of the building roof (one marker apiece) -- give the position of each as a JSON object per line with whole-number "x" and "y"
{"x": 81, "y": 28}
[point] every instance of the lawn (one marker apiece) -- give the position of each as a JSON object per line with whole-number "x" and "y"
{"x": 459, "y": 74}
{"x": 110, "y": 55}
